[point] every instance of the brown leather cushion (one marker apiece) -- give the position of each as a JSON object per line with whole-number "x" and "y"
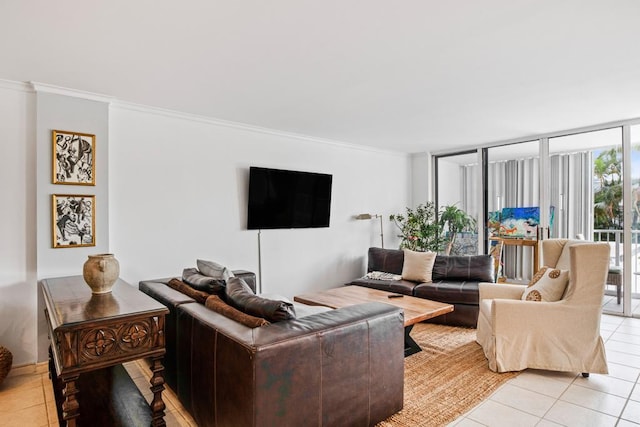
{"x": 180, "y": 286}
{"x": 240, "y": 295}
{"x": 216, "y": 304}
{"x": 452, "y": 292}
{"x": 396, "y": 286}
{"x": 387, "y": 260}
{"x": 200, "y": 282}
{"x": 478, "y": 268}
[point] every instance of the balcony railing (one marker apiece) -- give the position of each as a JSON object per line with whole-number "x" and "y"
{"x": 615, "y": 239}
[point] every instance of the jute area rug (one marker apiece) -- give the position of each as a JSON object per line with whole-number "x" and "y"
{"x": 446, "y": 379}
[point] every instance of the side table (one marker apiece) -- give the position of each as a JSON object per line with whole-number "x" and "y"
{"x": 532, "y": 243}
{"x": 91, "y": 336}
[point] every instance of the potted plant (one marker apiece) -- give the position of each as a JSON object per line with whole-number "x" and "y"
{"x": 420, "y": 229}
{"x": 454, "y": 220}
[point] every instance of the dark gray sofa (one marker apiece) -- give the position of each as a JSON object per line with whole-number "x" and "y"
{"x": 455, "y": 281}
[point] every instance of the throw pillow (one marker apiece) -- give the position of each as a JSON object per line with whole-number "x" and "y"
{"x": 180, "y": 286}
{"x": 548, "y": 284}
{"x": 382, "y": 275}
{"x": 215, "y": 303}
{"x": 418, "y": 266}
{"x": 241, "y": 296}
{"x": 213, "y": 269}
{"x": 200, "y": 282}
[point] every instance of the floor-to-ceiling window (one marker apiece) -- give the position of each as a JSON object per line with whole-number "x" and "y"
{"x": 513, "y": 194}
{"x": 586, "y": 192}
{"x": 460, "y": 186}
{"x": 632, "y": 198}
{"x": 576, "y": 183}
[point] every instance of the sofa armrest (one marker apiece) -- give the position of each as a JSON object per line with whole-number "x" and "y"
{"x": 248, "y": 276}
{"x": 551, "y": 319}
{"x": 160, "y": 291}
{"x": 500, "y": 291}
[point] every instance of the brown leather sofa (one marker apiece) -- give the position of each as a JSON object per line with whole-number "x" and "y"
{"x": 339, "y": 367}
{"x": 172, "y": 299}
{"x": 455, "y": 281}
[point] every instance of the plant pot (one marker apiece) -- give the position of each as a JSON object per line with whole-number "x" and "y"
{"x": 101, "y": 272}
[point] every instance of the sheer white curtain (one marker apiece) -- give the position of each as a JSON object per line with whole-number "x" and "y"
{"x": 516, "y": 183}
{"x": 471, "y": 190}
{"x": 571, "y": 194}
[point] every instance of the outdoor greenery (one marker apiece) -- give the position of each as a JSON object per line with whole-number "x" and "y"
{"x": 455, "y": 220}
{"x": 607, "y": 170}
{"x": 421, "y": 229}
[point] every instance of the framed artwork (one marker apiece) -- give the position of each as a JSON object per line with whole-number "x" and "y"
{"x": 73, "y": 218}
{"x": 519, "y": 222}
{"x": 74, "y": 158}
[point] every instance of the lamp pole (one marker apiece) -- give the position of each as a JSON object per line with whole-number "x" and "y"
{"x": 381, "y": 232}
{"x": 371, "y": 216}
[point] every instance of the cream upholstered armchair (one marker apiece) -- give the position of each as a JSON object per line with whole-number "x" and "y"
{"x": 560, "y": 336}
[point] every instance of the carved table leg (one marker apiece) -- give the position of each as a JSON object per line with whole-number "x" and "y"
{"x": 70, "y": 406}
{"x": 157, "y": 385}
{"x": 57, "y": 387}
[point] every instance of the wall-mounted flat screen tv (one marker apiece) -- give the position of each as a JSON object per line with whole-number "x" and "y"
{"x": 288, "y": 199}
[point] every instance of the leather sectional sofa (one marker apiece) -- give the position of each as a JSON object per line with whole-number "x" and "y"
{"x": 455, "y": 281}
{"x": 337, "y": 367}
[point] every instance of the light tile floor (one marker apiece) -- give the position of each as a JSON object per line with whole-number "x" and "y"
{"x": 545, "y": 398}
{"x": 610, "y": 305}
{"x": 533, "y": 398}
{"x": 26, "y": 398}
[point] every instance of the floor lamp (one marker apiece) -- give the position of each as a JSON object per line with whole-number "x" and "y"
{"x": 372, "y": 216}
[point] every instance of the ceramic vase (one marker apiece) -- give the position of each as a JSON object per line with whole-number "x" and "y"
{"x": 101, "y": 272}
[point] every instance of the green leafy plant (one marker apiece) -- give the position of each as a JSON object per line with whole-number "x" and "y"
{"x": 422, "y": 230}
{"x": 454, "y": 220}
{"x": 419, "y": 228}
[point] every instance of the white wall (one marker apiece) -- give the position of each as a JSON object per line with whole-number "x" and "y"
{"x": 178, "y": 189}
{"x": 421, "y": 182}
{"x": 70, "y": 113}
{"x": 449, "y": 182}
{"x": 60, "y": 112}
{"x": 18, "y": 282}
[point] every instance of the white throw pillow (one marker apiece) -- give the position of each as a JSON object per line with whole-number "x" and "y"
{"x": 213, "y": 269}
{"x": 548, "y": 284}
{"x": 418, "y": 266}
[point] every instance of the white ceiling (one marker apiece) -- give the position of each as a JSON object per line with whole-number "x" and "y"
{"x": 412, "y": 76}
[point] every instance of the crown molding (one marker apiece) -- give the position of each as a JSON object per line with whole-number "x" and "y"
{"x": 13, "y": 85}
{"x": 246, "y": 127}
{"x": 115, "y": 103}
{"x": 75, "y": 93}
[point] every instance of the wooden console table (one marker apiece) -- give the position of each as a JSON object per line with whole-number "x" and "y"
{"x": 91, "y": 335}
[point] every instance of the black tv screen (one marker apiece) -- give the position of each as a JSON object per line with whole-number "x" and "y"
{"x": 288, "y": 199}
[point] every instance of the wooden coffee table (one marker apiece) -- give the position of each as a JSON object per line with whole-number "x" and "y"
{"x": 415, "y": 309}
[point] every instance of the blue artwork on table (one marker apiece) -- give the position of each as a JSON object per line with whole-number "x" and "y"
{"x": 520, "y": 222}
{"x": 493, "y": 222}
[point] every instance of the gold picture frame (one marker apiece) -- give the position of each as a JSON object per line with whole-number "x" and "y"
{"x": 73, "y": 220}
{"x": 74, "y": 156}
